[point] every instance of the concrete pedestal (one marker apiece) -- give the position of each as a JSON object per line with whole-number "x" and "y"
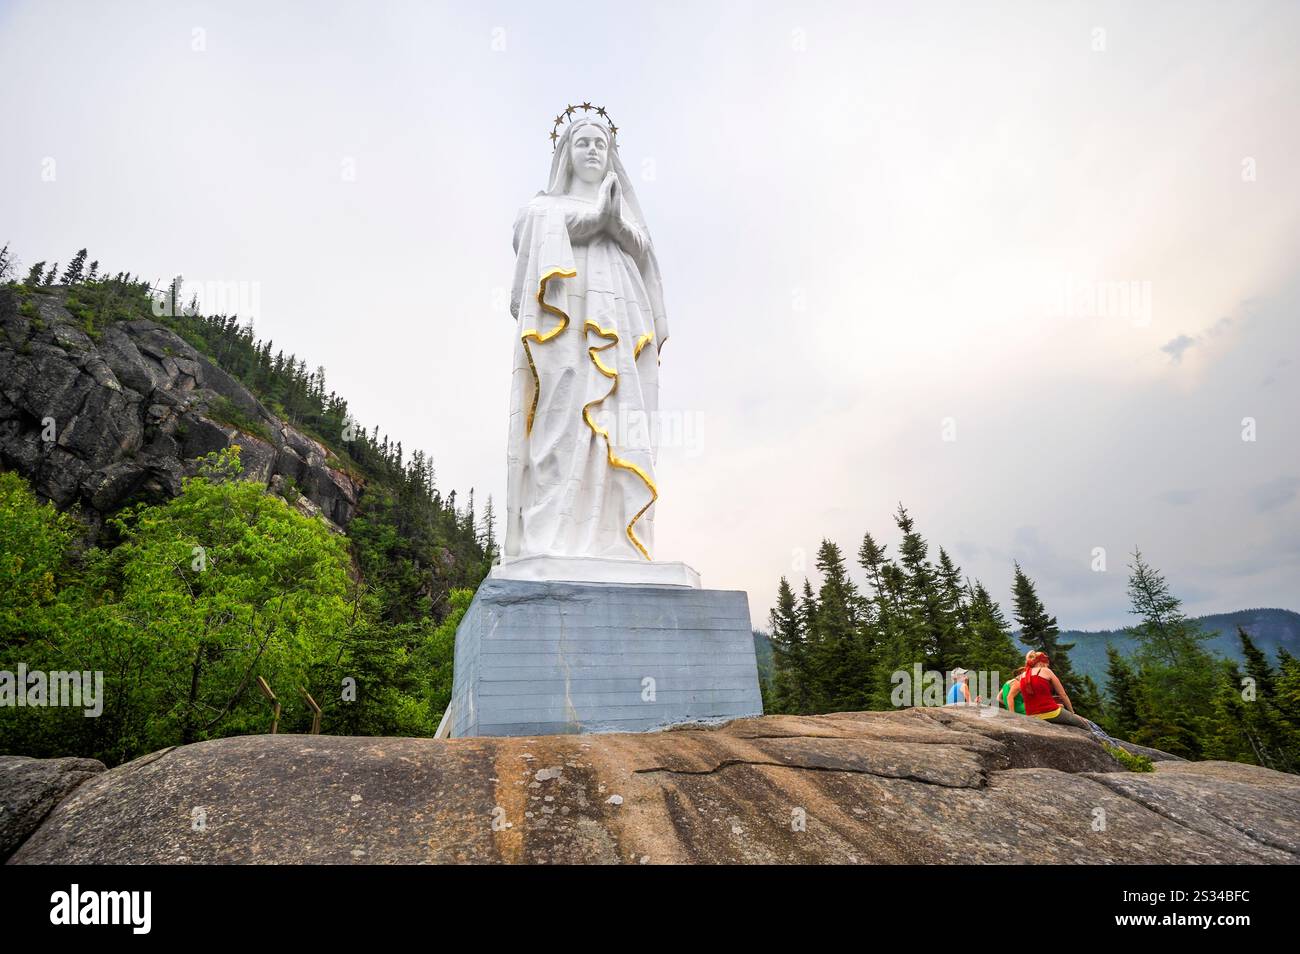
{"x": 543, "y": 658}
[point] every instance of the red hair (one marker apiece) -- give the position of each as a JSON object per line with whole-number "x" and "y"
{"x": 1032, "y": 658}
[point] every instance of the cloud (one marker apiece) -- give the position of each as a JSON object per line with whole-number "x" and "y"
{"x": 850, "y": 255}
{"x": 1275, "y": 493}
{"x": 1177, "y": 346}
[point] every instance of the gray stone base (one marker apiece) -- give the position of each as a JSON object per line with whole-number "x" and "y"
{"x": 548, "y": 658}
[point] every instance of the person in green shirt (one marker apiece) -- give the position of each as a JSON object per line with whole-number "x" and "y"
{"x": 1006, "y": 688}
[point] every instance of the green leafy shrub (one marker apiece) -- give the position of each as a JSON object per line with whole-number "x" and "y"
{"x": 204, "y": 594}
{"x": 1131, "y": 761}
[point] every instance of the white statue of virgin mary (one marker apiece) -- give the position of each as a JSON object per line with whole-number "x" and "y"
{"x": 585, "y": 389}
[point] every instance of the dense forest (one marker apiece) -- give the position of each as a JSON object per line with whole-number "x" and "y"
{"x": 844, "y": 648}
{"x": 184, "y": 604}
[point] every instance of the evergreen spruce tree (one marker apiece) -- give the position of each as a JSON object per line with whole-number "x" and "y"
{"x": 72, "y": 274}
{"x": 789, "y": 657}
{"x": 1121, "y": 709}
{"x": 1089, "y": 702}
{"x": 50, "y": 275}
{"x": 1274, "y": 741}
{"x": 988, "y": 643}
{"x": 871, "y": 558}
{"x": 924, "y": 634}
{"x": 1257, "y": 666}
{"x": 1039, "y": 631}
{"x": 1288, "y": 687}
{"x": 1164, "y": 633}
{"x": 1231, "y": 739}
{"x": 1287, "y": 696}
{"x": 1179, "y": 678}
{"x": 35, "y": 275}
{"x": 807, "y": 615}
{"x": 488, "y": 533}
{"x": 807, "y": 608}
{"x": 952, "y": 592}
{"x": 884, "y": 621}
{"x": 840, "y": 659}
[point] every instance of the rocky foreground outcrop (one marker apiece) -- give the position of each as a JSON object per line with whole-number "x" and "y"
{"x": 920, "y": 785}
{"x": 107, "y": 421}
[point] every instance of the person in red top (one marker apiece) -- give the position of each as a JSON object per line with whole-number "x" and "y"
{"x": 1036, "y": 687}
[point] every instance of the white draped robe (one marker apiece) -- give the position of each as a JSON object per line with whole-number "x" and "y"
{"x": 585, "y": 386}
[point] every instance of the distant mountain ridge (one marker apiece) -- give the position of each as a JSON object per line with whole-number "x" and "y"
{"x": 1271, "y": 629}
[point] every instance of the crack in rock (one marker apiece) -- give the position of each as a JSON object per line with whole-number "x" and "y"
{"x": 842, "y": 769}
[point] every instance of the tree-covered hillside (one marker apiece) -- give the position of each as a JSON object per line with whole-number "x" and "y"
{"x": 190, "y": 510}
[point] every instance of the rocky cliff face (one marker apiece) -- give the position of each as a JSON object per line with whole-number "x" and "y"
{"x": 108, "y": 421}
{"x": 920, "y": 785}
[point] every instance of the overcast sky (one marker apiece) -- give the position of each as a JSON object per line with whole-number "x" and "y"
{"x": 884, "y": 231}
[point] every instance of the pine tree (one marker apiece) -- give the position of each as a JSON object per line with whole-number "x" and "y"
{"x": 923, "y": 634}
{"x": 1039, "y": 631}
{"x": 807, "y": 616}
{"x": 1274, "y": 742}
{"x": 1179, "y": 678}
{"x": 871, "y": 558}
{"x": 988, "y": 643}
{"x": 1288, "y": 686}
{"x": 807, "y": 608}
{"x": 1257, "y": 666}
{"x": 94, "y": 271}
{"x": 1231, "y": 739}
{"x": 35, "y": 275}
{"x": 1121, "y": 695}
{"x": 72, "y": 274}
{"x": 174, "y": 295}
{"x": 952, "y": 591}
{"x": 885, "y": 620}
{"x": 840, "y": 660}
{"x": 50, "y": 275}
{"x": 1164, "y": 633}
{"x": 488, "y": 531}
{"x": 1089, "y": 702}
{"x": 789, "y": 656}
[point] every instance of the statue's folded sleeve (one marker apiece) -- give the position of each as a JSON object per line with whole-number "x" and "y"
{"x": 542, "y": 250}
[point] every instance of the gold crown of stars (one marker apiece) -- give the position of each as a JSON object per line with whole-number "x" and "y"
{"x": 567, "y": 117}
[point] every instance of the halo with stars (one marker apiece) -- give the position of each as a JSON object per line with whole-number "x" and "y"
{"x": 567, "y": 117}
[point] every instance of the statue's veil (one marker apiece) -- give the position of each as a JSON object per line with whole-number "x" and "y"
{"x": 558, "y": 184}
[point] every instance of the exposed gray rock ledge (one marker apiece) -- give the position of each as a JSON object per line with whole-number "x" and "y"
{"x": 131, "y": 412}
{"x": 29, "y": 790}
{"x": 929, "y": 786}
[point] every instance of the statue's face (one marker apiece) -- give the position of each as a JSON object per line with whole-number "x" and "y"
{"x": 590, "y": 153}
